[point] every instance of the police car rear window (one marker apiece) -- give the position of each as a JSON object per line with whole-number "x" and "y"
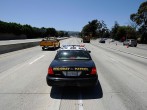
{"x": 73, "y": 55}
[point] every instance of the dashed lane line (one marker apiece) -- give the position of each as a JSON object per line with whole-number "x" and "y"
{"x": 36, "y": 59}
{"x": 80, "y": 102}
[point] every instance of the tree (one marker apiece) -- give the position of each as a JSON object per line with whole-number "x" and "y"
{"x": 103, "y": 30}
{"x": 61, "y": 33}
{"x": 28, "y": 30}
{"x": 121, "y": 32}
{"x": 94, "y": 29}
{"x": 131, "y": 32}
{"x": 125, "y": 32}
{"x": 51, "y": 32}
{"x": 3, "y": 27}
{"x": 140, "y": 18}
{"x": 43, "y": 32}
{"x": 114, "y": 30}
{"x": 90, "y": 29}
{"x": 66, "y": 34}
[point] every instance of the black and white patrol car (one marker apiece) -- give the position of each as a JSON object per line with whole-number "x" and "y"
{"x": 72, "y": 67}
{"x": 73, "y": 47}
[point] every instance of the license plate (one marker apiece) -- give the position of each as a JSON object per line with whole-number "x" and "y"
{"x": 72, "y": 73}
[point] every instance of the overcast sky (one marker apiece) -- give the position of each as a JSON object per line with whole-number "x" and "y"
{"x": 68, "y": 15}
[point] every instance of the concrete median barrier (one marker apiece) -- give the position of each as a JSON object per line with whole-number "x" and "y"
{"x": 13, "y": 47}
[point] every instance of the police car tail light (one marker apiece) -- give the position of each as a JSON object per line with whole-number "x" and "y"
{"x": 50, "y": 71}
{"x": 82, "y": 45}
{"x": 93, "y": 71}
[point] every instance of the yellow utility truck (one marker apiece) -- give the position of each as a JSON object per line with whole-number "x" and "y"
{"x": 50, "y": 42}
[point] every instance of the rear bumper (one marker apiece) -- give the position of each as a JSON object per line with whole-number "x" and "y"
{"x": 81, "y": 82}
{"x": 48, "y": 46}
{"x": 86, "y": 41}
{"x": 132, "y": 45}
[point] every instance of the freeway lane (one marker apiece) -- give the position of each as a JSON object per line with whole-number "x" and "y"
{"x": 140, "y": 50}
{"x": 23, "y": 86}
{"x": 122, "y": 81}
{"x": 15, "y": 58}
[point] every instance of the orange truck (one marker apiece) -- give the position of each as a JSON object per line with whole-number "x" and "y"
{"x": 50, "y": 42}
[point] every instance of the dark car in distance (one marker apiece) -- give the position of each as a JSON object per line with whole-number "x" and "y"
{"x": 130, "y": 42}
{"x": 72, "y": 68}
{"x": 102, "y": 41}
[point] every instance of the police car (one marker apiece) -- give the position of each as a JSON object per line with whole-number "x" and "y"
{"x": 72, "y": 66}
{"x": 73, "y": 47}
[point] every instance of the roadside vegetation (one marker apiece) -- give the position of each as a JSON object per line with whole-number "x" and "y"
{"x": 29, "y": 31}
{"x": 136, "y": 29}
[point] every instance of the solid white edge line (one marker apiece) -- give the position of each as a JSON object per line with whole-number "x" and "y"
{"x": 36, "y": 59}
{"x": 126, "y": 52}
{"x": 131, "y": 53}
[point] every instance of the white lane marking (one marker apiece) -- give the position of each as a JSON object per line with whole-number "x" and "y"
{"x": 137, "y": 55}
{"x": 124, "y": 52}
{"x": 129, "y": 53}
{"x": 80, "y": 102}
{"x": 36, "y": 59}
{"x": 113, "y": 60}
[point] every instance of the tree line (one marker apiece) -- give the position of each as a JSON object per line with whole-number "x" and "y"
{"x": 29, "y": 31}
{"x": 137, "y": 29}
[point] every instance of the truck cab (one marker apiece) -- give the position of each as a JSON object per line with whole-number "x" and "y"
{"x": 86, "y": 39}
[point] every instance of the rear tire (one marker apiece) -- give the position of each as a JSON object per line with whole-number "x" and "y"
{"x": 43, "y": 48}
{"x": 59, "y": 45}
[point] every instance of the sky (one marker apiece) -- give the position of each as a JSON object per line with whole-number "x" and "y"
{"x": 67, "y": 15}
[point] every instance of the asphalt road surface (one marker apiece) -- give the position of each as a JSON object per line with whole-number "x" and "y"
{"x": 122, "y": 80}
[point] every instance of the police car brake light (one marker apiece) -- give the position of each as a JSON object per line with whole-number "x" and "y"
{"x": 82, "y": 45}
{"x": 50, "y": 71}
{"x": 93, "y": 71}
